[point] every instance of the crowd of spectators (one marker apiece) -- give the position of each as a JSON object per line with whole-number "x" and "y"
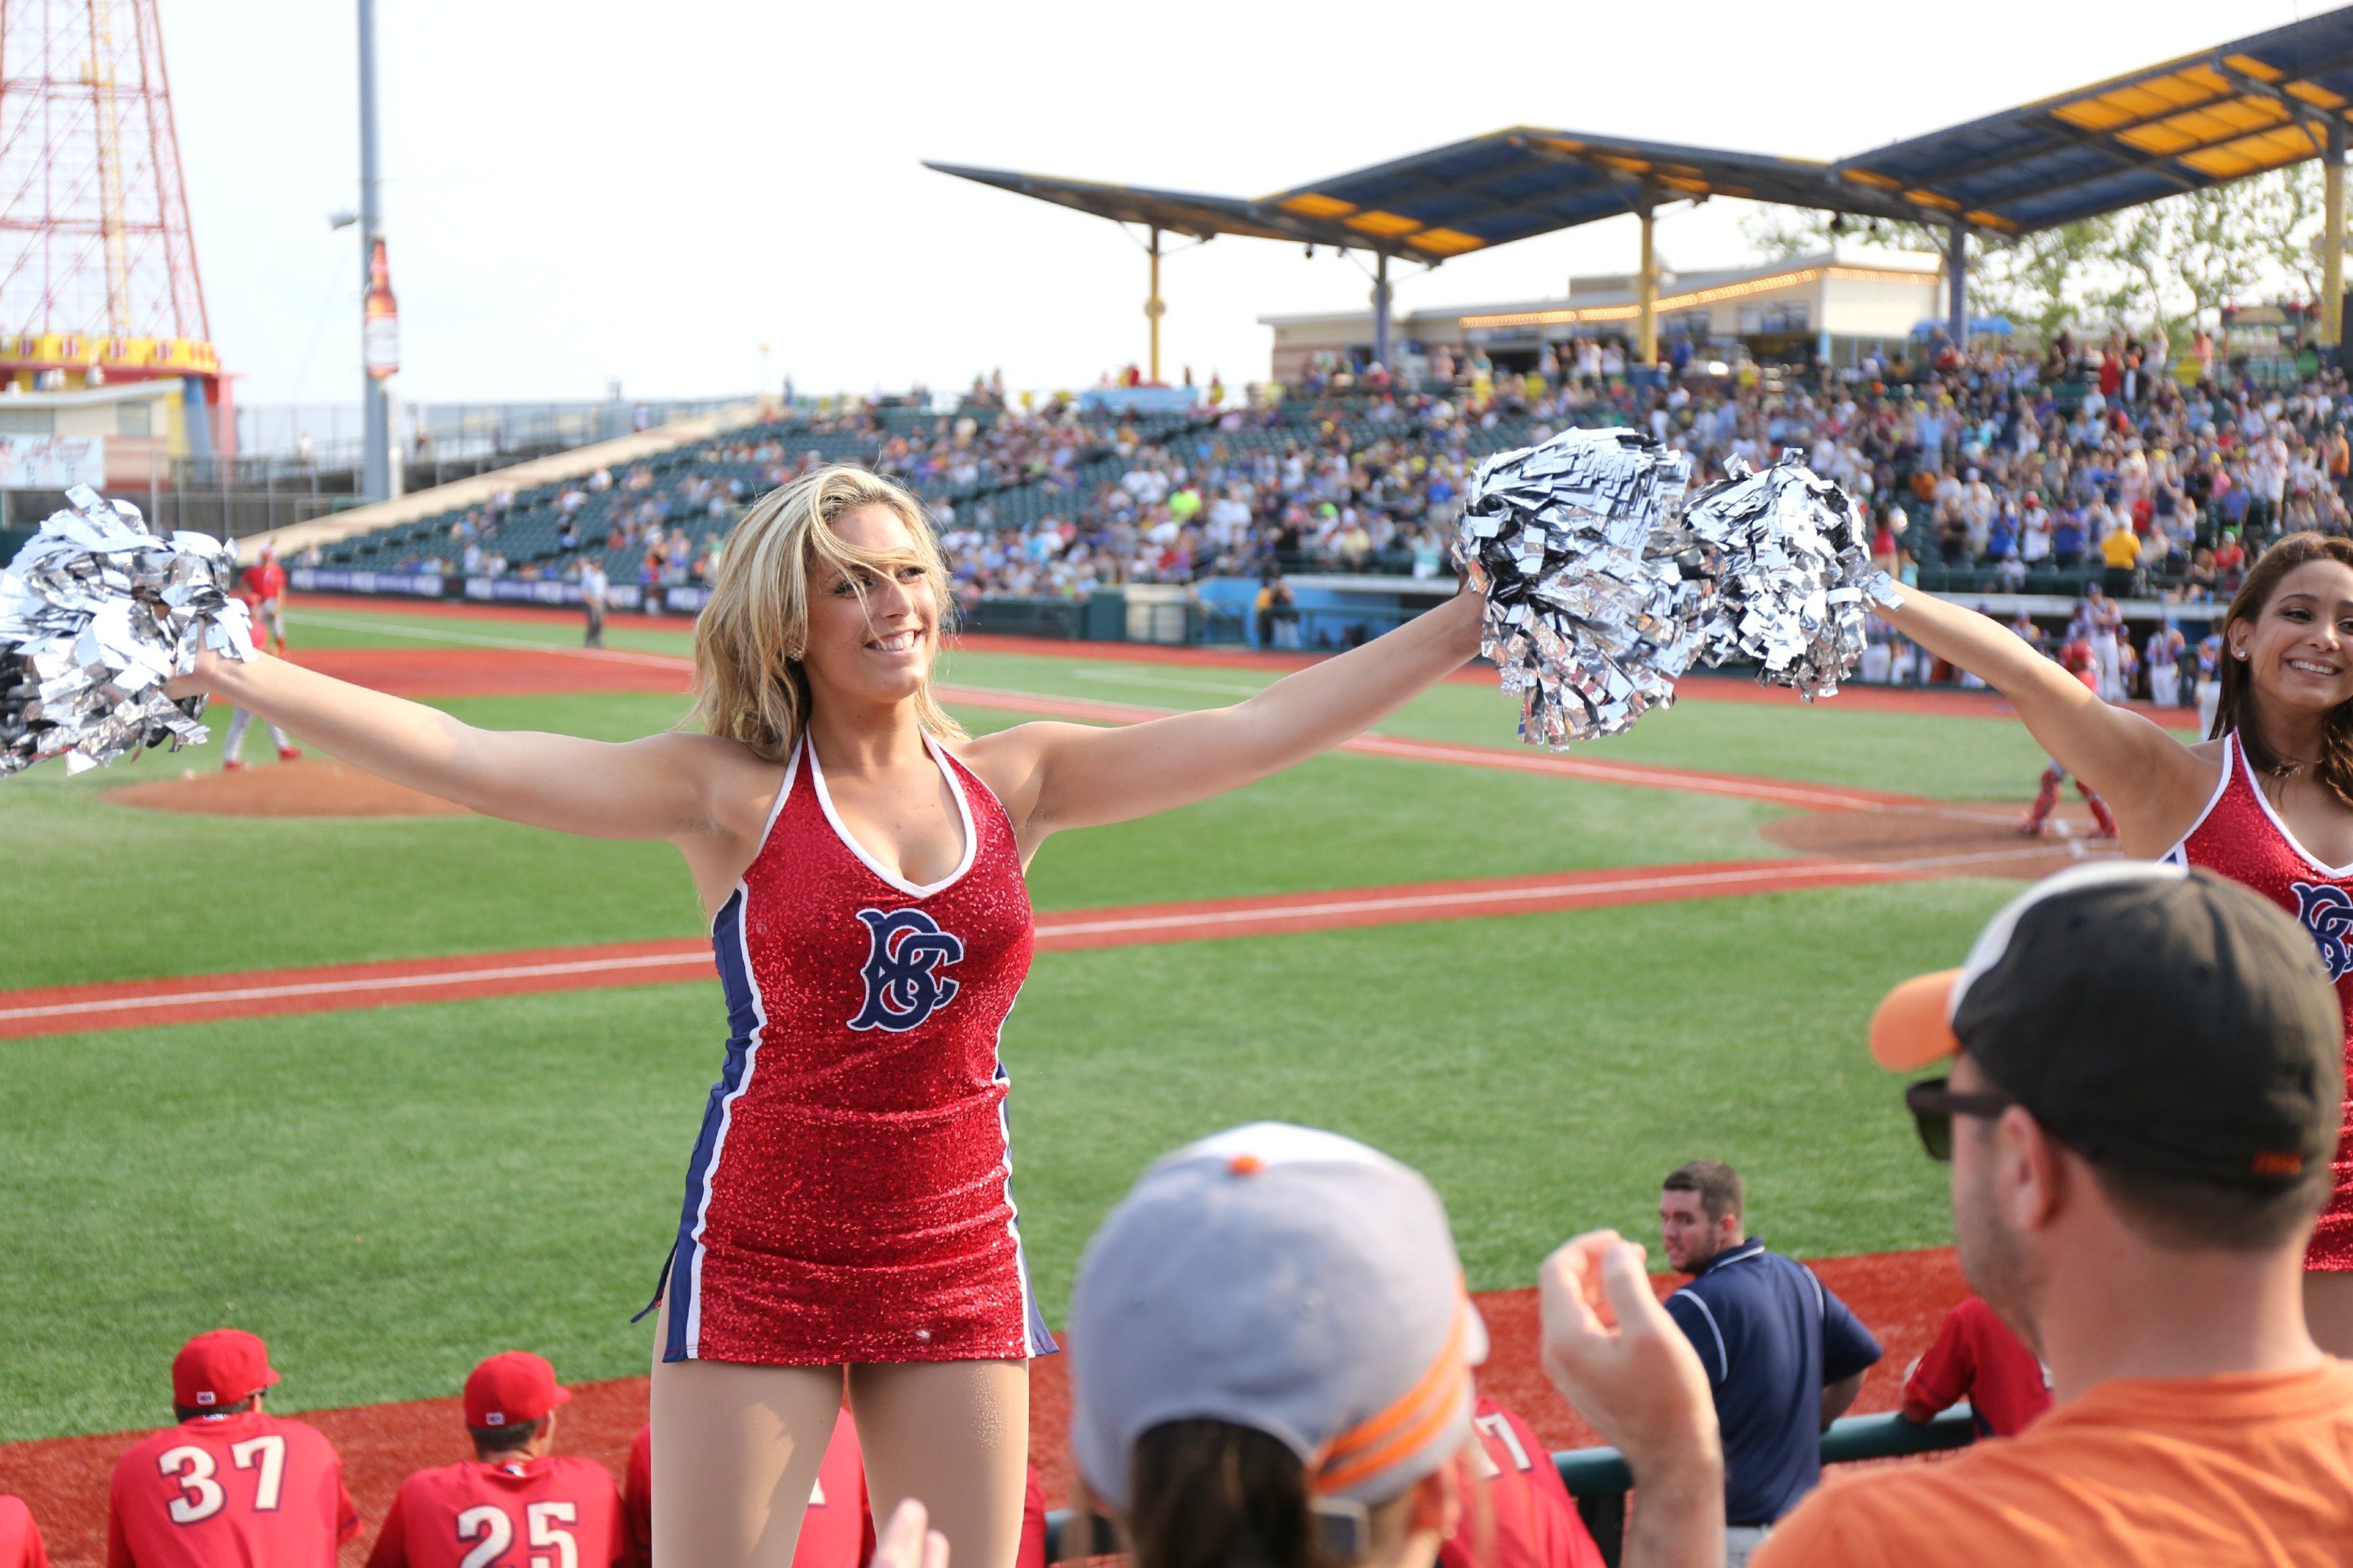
{"x": 2094, "y": 463}
{"x": 1983, "y": 470}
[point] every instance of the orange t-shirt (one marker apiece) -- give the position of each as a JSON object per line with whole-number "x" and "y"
{"x": 2252, "y": 1467}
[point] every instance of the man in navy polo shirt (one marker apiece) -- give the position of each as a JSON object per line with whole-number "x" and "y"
{"x": 1784, "y": 1356}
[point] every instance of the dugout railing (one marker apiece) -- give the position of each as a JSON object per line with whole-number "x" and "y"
{"x": 1600, "y": 1480}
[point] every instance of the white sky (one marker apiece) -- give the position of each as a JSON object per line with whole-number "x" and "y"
{"x": 649, "y": 191}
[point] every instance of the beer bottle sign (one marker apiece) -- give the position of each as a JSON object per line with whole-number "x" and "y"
{"x": 380, "y": 318}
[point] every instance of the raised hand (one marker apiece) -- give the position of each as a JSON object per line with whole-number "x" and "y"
{"x": 1640, "y": 1385}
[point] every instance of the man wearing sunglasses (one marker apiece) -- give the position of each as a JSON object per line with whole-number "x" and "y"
{"x": 2146, "y": 1068}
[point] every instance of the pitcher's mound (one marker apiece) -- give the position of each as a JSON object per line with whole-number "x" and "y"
{"x": 311, "y": 787}
{"x": 1962, "y": 838}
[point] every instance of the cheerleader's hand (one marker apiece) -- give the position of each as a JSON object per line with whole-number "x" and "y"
{"x": 199, "y": 682}
{"x": 905, "y": 1542}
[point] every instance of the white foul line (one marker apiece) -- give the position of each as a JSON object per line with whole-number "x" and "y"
{"x": 1049, "y": 927}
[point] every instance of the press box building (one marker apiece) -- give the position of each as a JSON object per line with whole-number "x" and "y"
{"x": 1833, "y": 307}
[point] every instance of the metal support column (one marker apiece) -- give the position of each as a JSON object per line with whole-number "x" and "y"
{"x": 1381, "y": 308}
{"x": 1646, "y": 288}
{"x": 1153, "y": 308}
{"x": 1956, "y": 281}
{"x": 2332, "y": 239}
{"x": 375, "y": 407}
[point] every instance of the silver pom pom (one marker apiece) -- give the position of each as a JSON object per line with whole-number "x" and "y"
{"x": 1603, "y": 587}
{"x": 97, "y": 613}
{"x": 1591, "y": 610}
{"x": 1795, "y": 574}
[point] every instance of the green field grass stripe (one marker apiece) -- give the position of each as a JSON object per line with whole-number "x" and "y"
{"x": 336, "y": 987}
{"x": 485, "y": 639}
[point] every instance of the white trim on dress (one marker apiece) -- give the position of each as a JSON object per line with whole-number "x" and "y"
{"x": 2179, "y": 853}
{"x": 741, "y": 900}
{"x": 2334, "y": 873}
{"x": 963, "y": 810}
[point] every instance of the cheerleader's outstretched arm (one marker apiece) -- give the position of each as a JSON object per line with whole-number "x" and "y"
{"x": 1052, "y": 776}
{"x": 2142, "y": 771}
{"x": 655, "y": 788}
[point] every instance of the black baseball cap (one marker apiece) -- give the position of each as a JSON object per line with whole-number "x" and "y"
{"x": 2161, "y": 1018}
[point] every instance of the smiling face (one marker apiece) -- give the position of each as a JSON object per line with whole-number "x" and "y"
{"x": 2298, "y": 649}
{"x": 872, "y": 628}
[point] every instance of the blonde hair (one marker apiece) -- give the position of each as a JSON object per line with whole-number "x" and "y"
{"x": 748, "y": 643}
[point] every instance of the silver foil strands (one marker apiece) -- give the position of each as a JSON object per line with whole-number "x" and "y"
{"x": 1593, "y": 598}
{"x": 1603, "y": 588}
{"x": 97, "y": 613}
{"x": 1795, "y": 574}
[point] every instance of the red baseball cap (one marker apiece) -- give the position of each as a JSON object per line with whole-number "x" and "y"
{"x": 219, "y": 1368}
{"x": 511, "y": 1388}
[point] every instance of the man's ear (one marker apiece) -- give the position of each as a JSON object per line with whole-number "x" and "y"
{"x": 2030, "y": 1171}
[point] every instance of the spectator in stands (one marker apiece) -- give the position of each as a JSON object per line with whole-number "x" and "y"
{"x": 2145, "y": 1071}
{"x": 515, "y": 1499}
{"x": 2120, "y": 552}
{"x": 2067, "y": 538}
{"x": 1976, "y": 1357}
{"x": 1784, "y": 1356}
{"x": 230, "y": 1485}
{"x": 20, "y": 1537}
{"x": 1272, "y": 1358}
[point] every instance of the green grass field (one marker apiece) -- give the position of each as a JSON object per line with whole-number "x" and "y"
{"x": 388, "y": 1194}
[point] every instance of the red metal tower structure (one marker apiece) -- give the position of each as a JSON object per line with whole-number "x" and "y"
{"x": 97, "y": 264}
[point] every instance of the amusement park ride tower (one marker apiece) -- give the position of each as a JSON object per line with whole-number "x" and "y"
{"x": 98, "y": 266}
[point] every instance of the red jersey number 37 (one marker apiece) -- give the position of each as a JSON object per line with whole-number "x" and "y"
{"x": 202, "y": 1493}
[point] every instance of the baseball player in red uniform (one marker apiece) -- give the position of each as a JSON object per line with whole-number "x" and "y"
{"x": 1516, "y": 1513}
{"x": 2075, "y": 657}
{"x": 1976, "y": 1358}
{"x": 514, "y": 1504}
{"x": 20, "y": 1537}
{"x": 229, "y": 1487}
{"x": 264, "y": 593}
{"x": 263, "y": 588}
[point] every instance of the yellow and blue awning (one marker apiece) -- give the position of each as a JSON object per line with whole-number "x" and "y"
{"x": 2261, "y": 102}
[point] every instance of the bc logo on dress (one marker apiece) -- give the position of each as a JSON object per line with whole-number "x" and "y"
{"x": 2327, "y": 911}
{"x": 905, "y": 950}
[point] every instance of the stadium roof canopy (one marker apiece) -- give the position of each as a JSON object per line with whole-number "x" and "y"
{"x": 2238, "y": 108}
{"x": 1469, "y": 195}
{"x": 2257, "y": 103}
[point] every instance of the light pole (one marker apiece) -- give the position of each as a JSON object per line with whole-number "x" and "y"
{"x": 376, "y": 408}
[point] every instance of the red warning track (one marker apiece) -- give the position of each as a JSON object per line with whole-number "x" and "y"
{"x": 1902, "y": 1296}
{"x": 1943, "y": 701}
{"x": 137, "y": 1004}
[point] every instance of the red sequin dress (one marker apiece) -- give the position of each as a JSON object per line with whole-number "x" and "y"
{"x": 850, "y": 1198}
{"x": 2239, "y": 835}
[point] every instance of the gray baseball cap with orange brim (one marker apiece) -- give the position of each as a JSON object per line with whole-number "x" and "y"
{"x": 1287, "y": 1279}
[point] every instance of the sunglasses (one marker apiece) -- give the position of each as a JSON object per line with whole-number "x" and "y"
{"x": 1933, "y": 1103}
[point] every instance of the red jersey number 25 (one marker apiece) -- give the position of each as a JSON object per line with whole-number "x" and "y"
{"x": 492, "y": 1531}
